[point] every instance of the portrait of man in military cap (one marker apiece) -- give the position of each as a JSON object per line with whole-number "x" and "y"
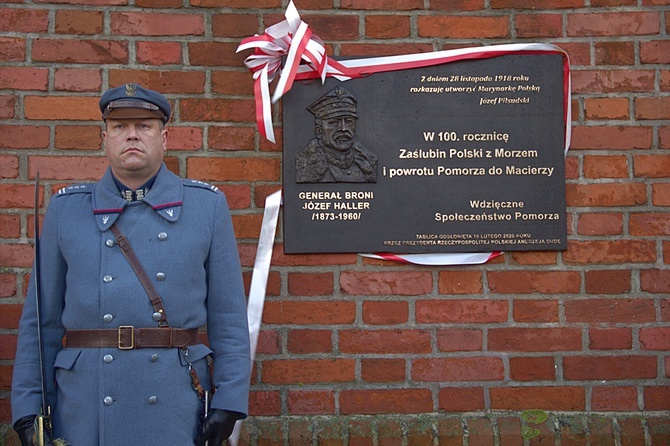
{"x": 334, "y": 155}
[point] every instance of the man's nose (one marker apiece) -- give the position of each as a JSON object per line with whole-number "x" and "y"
{"x": 132, "y": 132}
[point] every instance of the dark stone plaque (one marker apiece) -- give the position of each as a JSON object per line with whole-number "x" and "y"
{"x": 466, "y": 156}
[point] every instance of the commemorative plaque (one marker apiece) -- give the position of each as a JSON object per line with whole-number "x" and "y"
{"x": 464, "y": 156}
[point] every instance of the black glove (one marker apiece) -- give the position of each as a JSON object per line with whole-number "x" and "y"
{"x": 217, "y": 427}
{"x": 25, "y": 427}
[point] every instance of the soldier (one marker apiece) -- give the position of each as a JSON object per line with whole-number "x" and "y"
{"x": 334, "y": 156}
{"x": 122, "y": 370}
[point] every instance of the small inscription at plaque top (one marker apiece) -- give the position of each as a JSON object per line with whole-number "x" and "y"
{"x": 466, "y": 156}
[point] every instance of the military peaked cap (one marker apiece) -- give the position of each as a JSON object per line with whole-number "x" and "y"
{"x": 132, "y": 101}
{"x": 337, "y": 102}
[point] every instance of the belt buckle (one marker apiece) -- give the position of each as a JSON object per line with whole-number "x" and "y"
{"x": 132, "y": 337}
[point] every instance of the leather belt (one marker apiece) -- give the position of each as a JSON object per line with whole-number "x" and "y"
{"x": 127, "y": 337}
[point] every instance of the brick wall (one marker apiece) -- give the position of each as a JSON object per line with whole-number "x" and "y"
{"x": 357, "y": 351}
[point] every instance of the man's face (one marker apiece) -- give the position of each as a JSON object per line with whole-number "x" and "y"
{"x": 135, "y": 148}
{"x": 337, "y": 133}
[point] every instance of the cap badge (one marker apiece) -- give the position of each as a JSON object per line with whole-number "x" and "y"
{"x": 131, "y": 90}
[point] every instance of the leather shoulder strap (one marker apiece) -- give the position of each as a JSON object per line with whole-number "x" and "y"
{"x": 154, "y": 298}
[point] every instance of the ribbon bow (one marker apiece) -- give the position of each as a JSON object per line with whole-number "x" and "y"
{"x": 293, "y": 39}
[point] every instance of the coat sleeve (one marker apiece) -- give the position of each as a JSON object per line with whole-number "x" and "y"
{"x": 227, "y": 325}
{"x": 26, "y": 395}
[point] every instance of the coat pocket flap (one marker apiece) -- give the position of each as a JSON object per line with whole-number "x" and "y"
{"x": 66, "y": 358}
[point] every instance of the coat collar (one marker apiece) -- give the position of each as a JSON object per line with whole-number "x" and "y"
{"x": 165, "y": 198}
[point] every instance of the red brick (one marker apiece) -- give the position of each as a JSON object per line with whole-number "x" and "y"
{"x": 655, "y": 338}
{"x": 610, "y": 310}
{"x": 613, "y": 2}
{"x": 463, "y": 27}
{"x": 217, "y": 110}
{"x": 70, "y": 21}
{"x": 310, "y": 402}
{"x": 7, "y": 346}
{"x": 549, "y": 398}
{"x": 387, "y": 26}
{"x": 268, "y": 343}
{"x": 526, "y": 282}
{"x": 611, "y": 137}
{"x": 371, "y": 283}
{"x": 535, "y": 310}
{"x": 461, "y": 311}
{"x": 310, "y": 284}
{"x": 659, "y": 427}
{"x": 294, "y": 371}
{"x": 459, "y": 340}
{"x": 384, "y": 341}
{"x": 458, "y": 369}
{"x": 656, "y": 398}
{"x": 247, "y": 225}
{"x": 579, "y": 52}
{"x": 655, "y": 281}
{"x": 24, "y": 137}
{"x": 68, "y": 108}
{"x": 605, "y": 167}
{"x": 156, "y": 24}
{"x": 12, "y": 49}
{"x": 309, "y": 312}
{"x": 309, "y": 341}
{"x": 16, "y": 255}
{"x": 646, "y": 224}
{"x": 233, "y": 169}
{"x": 245, "y": 4}
{"x": 231, "y": 138}
{"x": 382, "y": 370}
{"x": 23, "y": 78}
{"x": 610, "y": 194}
{"x": 10, "y": 315}
{"x": 609, "y": 367}
{"x": 7, "y": 106}
{"x": 539, "y": 25}
{"x": 660, "y": 194}
{"x": 460, "y": 282}
{"x": 234, "y": 25}
{"x": 652, "y": 108}
{"x": 459, "y": 399}
{"x": 631, "y": 430}
{"x": 7, "y": 285}
{"x": 606, "y": 108}
{"x": 607, "y": 281}
{"x": 5, "y": 378}
{"x": 386, "y": 49}
{"x": 615, "y": 53}
{"x": 159, "y": 53}
{"x": 10, "y": 226}
{"x": 264, "y": 403}
{"x": 480, "y": 431}
{"x": 524, "y": 368}
{"x": 17, "y": 196}
{"x": 534, "y": 257}
{"x": 24, "y": 20}
{"x": 80, "y": 51}
{"x": 238, "y": 83}
{"x": 655, "y": 52}
{"x": 71, "y": 168}
{"x": 614, "y": 399}
{"x": 380, "y": 401}
{"x": 535, "y": 4}
{"x": 534, "y": 339}
{"x": 601, "y": 223}
{"x": 167, "y": 82}
{"x": 215, "y": 54}
{"x": 385, "y": 313}
{"x": 9, "y": 166}
{"x": 184, "y": 138}
{"x": 612, "y": 81}
{"x": 610, "y": 252}
{"x": 613, "y": 24}
{"x": 610, "y": 338}
{"x": 78, "y": 137}
{"x": 77, "y": 79}
{"x": 400, "y": 5}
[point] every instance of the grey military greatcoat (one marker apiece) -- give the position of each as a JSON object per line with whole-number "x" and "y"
{"x": 183, "y": 235}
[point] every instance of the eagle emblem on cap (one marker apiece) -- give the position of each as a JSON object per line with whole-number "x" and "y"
{"x": 131, "y": 90}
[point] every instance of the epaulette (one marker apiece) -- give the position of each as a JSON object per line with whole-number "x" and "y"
{"x": 86, "y": 188}
{"x": 201, "y": 184}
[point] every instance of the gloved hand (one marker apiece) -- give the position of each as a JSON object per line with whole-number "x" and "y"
{"x": 25, "y": 427}
{"x": 217, "y": 427}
